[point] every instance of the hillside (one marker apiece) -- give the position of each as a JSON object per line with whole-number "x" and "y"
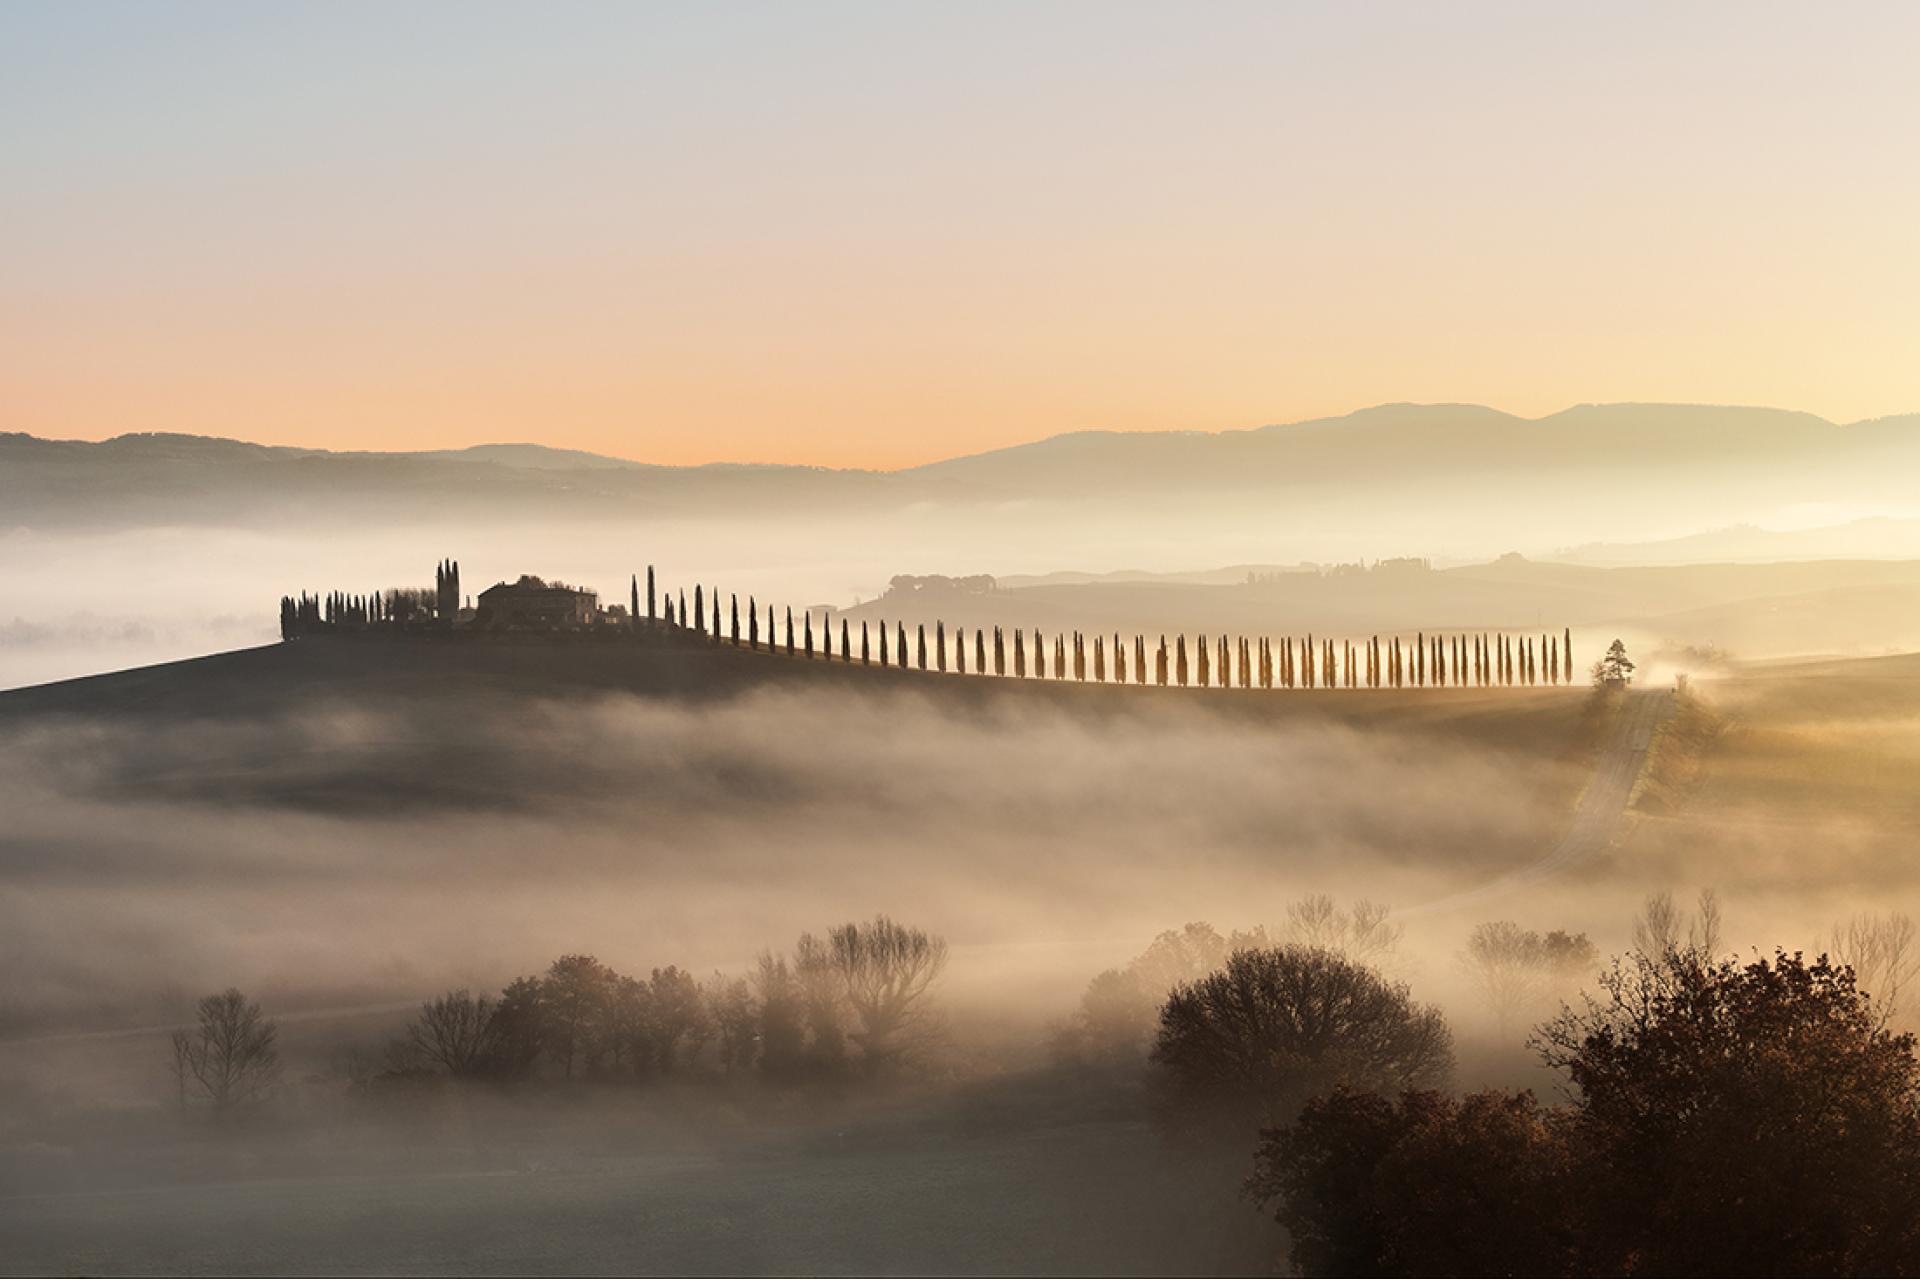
{"x": 1749, "y": 610}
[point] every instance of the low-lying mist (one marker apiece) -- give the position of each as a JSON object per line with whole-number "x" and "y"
{"x": 382, "y": 851}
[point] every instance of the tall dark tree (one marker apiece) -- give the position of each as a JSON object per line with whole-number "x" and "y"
{"x": 846, "y": 650}
{"x": 865, "y": 652}
{"x": 734, "y": 604}
{"x": 920, "y": 645}
{"x": 633, "y": 609}
{"x": 1202, "y": 664}
{"x": 999, "y": 651}
{"x": 900, "y": 648}
{"x": 1059, "y": 656}
{"x": 1160, "y": 663}
{"x": 1566, "y": 656}
{"x": 650, "y": 608}
{"x": 1099, "y": 660}
{"x": 789, "y": 630}
{"x": 960, "y": 650}
{"x": 753, "y": 622}
{"x": 980, "y": 651}
{"x": 883, "y": 642}
{"x": 699, "y": 612}
{"x": 940, "y": 645}
{"x": 1019, "y": 654}
{"x": 826, "y": 637}
{"x": 1140, "y": 658}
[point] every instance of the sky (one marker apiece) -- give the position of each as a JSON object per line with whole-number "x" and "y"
{"x": 881, "y": 234}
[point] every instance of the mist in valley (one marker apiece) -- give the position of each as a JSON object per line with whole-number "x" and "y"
{"x": 350, "y": 853}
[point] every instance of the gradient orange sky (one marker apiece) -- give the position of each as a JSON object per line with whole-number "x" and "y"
{"x": 877, "y": 235}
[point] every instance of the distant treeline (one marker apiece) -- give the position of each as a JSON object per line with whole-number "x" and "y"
{"x": 1459, "y": 660}
{"x": 854, "y": 1002}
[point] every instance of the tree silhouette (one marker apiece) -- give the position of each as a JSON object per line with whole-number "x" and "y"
{"x": 457, "y": 1032}
{"x": 846, "y": 650}
{"x": 734, "y": 603}
{"x": 1615, "y": 669}
{"x": 1254, "y": 1040}
{"x": 650, "y": 609}
{"x": 230, "y": 1057}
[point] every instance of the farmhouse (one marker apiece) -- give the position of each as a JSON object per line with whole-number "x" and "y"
{"x": 537, "y": 605}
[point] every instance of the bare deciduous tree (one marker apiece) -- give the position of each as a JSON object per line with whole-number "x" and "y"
{"x": 230, "y": 1057}
{"x": 1514, "y": 966}
{"x": 1880, "y": 950}
{"x": 1660, "y": 927}
{"x": 456, "y": 1032}
{"x": 1361, "y": 932}
{"x": 886, "y": 970}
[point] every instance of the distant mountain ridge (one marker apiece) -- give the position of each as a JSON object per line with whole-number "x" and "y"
{"x": 1668, "y": 469}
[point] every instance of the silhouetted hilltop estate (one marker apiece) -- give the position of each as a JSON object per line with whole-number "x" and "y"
{"x": 533, "y": 606}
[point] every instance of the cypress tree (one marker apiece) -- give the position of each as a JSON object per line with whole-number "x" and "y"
{"x": 999, "y": 651}
{"x": 883, "y": 641}
{"x": 920, "y": 644}
{"x": 1099, "y": 660}
{"x": 846, "y": 649}
{"x": 633, "y": 609}
{"x": 1180, "y": 658}
{"x": 1201, "y": 664}
{"x": 1039, "y": 654}
{"x": 734, "y": 612}
{"x": 669, "y": 610}
{"x": 789, "y": 630}
{"x": 940, "y": 646}
{"x": 699, "y": 612}
{"x": 1019, "y": 655}
{"x": 807, "y": 620}
{"x": 866, "y": 654}
{"x": 771, "y": 631}
{"x": 1059, "y": 656}
{"x": 826, "y": 635}
{"x": 1160, "y": 663}
{"x": 960, "y": 650}
{"x": 1139, "y": 658}
{"x": 753, "y": 623}
{"x": 650, "y": 610}
{"x": 979, "y": 651}
{"x": 1566, "y": 655}
{"x": 900, "y": 648}
{"x": 1119, "y": 660}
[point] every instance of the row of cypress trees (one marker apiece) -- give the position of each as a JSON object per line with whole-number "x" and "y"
{"x": 1486, "y": 660}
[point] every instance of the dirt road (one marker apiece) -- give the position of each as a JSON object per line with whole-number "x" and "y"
{"x": 1602, "y": 808}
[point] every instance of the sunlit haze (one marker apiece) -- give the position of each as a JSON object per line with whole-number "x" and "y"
{"x": 876, "y": 235}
